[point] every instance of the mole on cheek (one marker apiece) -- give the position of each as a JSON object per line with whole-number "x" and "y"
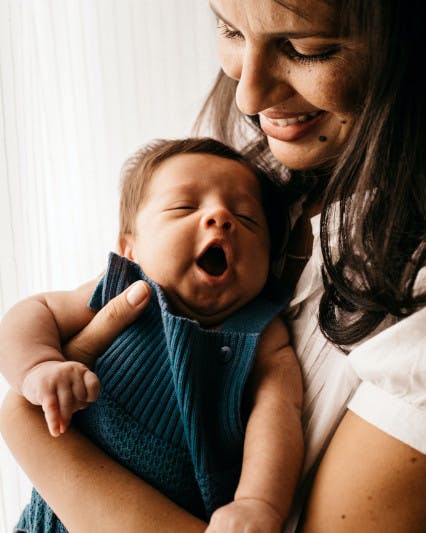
{"x": 322, "y": 139}
{"x": 343, "y": 122}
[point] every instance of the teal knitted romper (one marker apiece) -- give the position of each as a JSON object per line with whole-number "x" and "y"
{"x": 171, "y": 404}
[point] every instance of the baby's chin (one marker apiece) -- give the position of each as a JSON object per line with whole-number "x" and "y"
{"x": 209, "y": 315}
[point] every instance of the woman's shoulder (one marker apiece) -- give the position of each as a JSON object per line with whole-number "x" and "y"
{"x": 392, "y": 367}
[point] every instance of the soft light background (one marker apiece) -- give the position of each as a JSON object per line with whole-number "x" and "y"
{"x": 83, "y": 83}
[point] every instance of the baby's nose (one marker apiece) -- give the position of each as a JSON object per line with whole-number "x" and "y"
{"x": 219, "y": 217}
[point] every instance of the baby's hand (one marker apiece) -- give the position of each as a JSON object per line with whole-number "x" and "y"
{"x": 246, "y": 515}
{"x": 61, "y": 388}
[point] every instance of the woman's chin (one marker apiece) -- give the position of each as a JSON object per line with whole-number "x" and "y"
{"x": 301, "y": 156}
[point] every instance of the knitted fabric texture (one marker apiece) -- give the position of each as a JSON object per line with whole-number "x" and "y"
{"x": 170, "y": 407}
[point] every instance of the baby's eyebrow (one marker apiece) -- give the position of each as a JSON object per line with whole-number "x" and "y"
{"x": 177, "y": 189}
{"x": 251, "y": 196}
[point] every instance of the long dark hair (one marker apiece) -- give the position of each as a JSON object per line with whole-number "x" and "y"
{"x": 378, "y": 182}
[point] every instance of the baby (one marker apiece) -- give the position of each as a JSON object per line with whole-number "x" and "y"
{"x": 200, "y": 396}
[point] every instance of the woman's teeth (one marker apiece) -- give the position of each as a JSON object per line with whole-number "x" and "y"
{"x": 282, "y": 122}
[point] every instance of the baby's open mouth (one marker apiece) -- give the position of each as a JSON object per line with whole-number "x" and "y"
{"x": 213, "y": 261}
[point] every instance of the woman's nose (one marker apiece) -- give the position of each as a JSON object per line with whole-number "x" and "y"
{"x": 260, "y": 85}
{"x": 220, "y": 218}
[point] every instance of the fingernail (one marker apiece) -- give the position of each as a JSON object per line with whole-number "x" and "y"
{"x": 137, "y": 294}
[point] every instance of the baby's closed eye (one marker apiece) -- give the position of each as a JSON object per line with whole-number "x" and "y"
{"x": 249, "y": 217}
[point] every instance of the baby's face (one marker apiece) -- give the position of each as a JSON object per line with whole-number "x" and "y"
{"x": 201, "y": 234}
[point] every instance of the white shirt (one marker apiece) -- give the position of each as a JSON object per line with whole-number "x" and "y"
{"x": 382, "y": 380}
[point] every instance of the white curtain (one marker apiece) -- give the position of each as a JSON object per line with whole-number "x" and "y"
{"x": 83, "y": 83}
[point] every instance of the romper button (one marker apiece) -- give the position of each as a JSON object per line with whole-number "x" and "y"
{"x": 226, "y": 354}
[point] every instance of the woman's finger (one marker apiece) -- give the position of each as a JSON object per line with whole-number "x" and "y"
{"x": 107, "y": 324}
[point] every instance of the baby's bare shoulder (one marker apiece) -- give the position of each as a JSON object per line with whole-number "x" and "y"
{"x": 275, "y": 337}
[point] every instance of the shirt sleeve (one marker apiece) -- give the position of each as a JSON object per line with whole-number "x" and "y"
{"x": 392, "y": 367}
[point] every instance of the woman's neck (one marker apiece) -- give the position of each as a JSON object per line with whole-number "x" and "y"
{"x": 299, "y": 248}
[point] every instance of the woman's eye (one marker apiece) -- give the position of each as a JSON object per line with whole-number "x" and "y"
{"x": 290, "y": 51}
{"x": 228, "y": 32}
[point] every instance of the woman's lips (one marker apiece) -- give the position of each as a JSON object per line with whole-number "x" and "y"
{"x": 290, "y": 128}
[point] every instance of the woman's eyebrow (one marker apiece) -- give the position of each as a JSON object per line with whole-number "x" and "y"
{"x": 299, "y": 12}
{"x": 280, "y": 35}
{"x": 218, "y": 15}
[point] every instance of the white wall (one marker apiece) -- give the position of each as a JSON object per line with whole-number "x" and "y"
{"x": 82, "y": 84}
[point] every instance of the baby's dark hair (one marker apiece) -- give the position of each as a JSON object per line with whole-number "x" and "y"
{"x": 138, "y": 170}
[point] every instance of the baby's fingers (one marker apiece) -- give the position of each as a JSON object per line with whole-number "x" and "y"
{"x": 85, "y": 388}
{"x": 67, "y": 406}
{"x": 92, "y": 386}
{"x": 50, "y": 406}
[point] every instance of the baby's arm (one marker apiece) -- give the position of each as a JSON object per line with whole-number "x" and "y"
{"x": 273, "y": 448}
{"x": 31, "y": 337}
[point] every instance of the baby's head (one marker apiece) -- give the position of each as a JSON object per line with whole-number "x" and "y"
{"x": 202, "y": 222}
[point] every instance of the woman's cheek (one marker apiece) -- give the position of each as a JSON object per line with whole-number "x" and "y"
{"x": 230, "y": 60}
{"x": 341, "y": 89}
{"x": 332, "y": 96}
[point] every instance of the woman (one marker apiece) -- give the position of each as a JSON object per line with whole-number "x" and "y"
{"x": 335, "y": 93}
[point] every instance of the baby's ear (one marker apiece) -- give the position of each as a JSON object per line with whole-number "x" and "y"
{"x": 126, "y": 246}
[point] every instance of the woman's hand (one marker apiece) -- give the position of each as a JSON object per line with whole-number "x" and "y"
{"x": 107, "y": 324}
{"x": 91, "y": 491}
{"x": 86, "y": 488}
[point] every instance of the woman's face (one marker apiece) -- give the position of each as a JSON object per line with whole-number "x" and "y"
{"x": 295, "y": 72}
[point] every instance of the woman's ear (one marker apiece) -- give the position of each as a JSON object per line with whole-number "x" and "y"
{"x": 126, "y": 246}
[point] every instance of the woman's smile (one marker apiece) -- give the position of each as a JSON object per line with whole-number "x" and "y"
{"x": 290, "y": 128}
